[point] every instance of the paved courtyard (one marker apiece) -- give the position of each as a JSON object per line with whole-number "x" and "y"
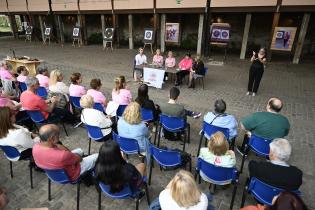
{"x": 294, "y": 84}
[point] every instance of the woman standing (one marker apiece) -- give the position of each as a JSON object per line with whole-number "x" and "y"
{"x": 256, "y": 71}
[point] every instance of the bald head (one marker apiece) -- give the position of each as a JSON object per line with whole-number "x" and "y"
{"x": 275, "y": 104}
{"x": 48, "y": 131}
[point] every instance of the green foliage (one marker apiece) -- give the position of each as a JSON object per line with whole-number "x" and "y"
{"x": 190, "y": 41}
{"x": 95, "y": 38}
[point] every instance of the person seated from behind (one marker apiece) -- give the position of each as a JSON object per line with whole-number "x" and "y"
{"x": 182, "y": 192}
{"x": 198, "y": 68}
{"x": 112, "y": 169}
{"x": 144, "y": 101}
{"x": 10, "y": 90}
{"x": 269, "y": 124}
{"x": 220, "y": 119}
{"x": 95, "y": 117}
{"x": 158, "y": 59}
{"x": 284, "y": 201}
{"x": 95, "y": 92}
{"x": 277, "y": 172}
{"x": 43, "y": 77}
{"x": 15, "y": 135}
{"x": 170, "y": 62}
{"x": 4, "y": 199}
{"x": 5, "y": 73}
{"x": 121, "y": 94}
{"x": 22, "y": 72}
{"x": 184, "y": 66}
{"x": 56, "y": 84}
{"x": 140, "y": 60}
{"x": 48, "y": 154}
{"x": 217, "y": 153}
{"x": 76, "y": 89}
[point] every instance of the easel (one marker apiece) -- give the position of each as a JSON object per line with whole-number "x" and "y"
{"x": 221, "y": 44}
{"x": 78, "y": 40}
{"x": 45, "y": 39}
{"x": 28, "y": 37}
{"x": 111, "y": 45}
{"x": 147, "y": 43}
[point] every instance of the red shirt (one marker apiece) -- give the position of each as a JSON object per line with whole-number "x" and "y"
{"x": 31, "y": 101}
{"x": 55, "y": 158}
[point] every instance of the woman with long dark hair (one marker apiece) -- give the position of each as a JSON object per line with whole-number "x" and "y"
{"x": 256, "y": 71}
{"x": 112, "y": 169}
{"x": 144, "y": 101}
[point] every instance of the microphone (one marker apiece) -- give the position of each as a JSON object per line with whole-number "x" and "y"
{"x": 13, "y": 52}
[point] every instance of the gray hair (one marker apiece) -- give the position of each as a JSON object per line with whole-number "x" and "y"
{"x": 30, "y": 81}
{"x": 281, "y": 148}
{"x": 48, "y": 131}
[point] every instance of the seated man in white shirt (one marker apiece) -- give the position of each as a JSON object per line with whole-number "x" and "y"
{"x": 140, "y": 59}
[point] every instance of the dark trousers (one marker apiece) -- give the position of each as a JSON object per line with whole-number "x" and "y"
{"x": 67, "y": 115}
{"x": 255, "y": 75}
{"x": 26, "y": 154}
{"x": 180, "y": 75}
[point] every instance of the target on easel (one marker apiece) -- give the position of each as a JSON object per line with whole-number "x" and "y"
{"x": 28, "y": 30}
{"x": 76, "y": 32}
{"x": 47, "y": 31}
{"x": 109, "y": 34}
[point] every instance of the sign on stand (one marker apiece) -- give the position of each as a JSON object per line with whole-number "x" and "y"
{"x": 153, "y": 77}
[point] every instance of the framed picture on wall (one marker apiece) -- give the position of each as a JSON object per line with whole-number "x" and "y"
{"x": 283, "y": 38}
{"x": 220, "y": 32}
{"x": 172, "y": 32}
{"x": 148, "y": 36}
{"x": 76, "y": 32}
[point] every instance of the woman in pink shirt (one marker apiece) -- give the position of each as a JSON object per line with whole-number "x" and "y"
{"x": 22, "y": 72}
{"x": 169, "y": 63}
{"x": 158, "y": 58}
{"x": 185, "y": 66}
{"x": 75, "y": 88}
{"x": 42, "y": 77}
{"x": 95, "y": 92}
{"x": 5, "y": 73}
{"x": 121, "y": 94}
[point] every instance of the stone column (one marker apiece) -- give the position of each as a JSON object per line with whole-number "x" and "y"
{"x": 302, "y": 34}
{"x": 200, "y": 32}
{"x": 130, "y": 32}
{"x": 245, "y": 35}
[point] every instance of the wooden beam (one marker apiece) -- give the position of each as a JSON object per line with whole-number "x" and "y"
{"x": 162, "y": 38}
{"x": 60, "y": 27}
{"x": 13, "y": 26}
{"x": 130, "y": 31}
{"x": 275, "y": 23}
{"x": 103, "y": 29}
{"x": 41, "y": 26}
{"x": 245, "y": 35}
{"x": 302, "y": 34}
{"x": 200, "y": 32}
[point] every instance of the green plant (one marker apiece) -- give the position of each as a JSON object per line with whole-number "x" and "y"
{"x": 95, "y": 38}
{"x": 190, "y": 41}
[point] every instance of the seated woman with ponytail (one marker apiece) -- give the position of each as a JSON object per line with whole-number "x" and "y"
{"x": 121, "y": 94}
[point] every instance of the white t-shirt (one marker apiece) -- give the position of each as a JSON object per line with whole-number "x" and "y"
{"x": 167, "y": 202}
{"x": 59, "y": 87}
{"x": 140, "y": 59}
{"x": 96, "y": 118}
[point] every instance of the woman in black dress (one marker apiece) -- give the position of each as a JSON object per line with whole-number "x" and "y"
{"x": 256, "y": 71}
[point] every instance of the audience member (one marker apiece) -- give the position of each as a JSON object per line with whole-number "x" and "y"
{"x": 48, "y": 154}
{"x": 4, "y": 199}
{"x": 121, "y": 94}
{"x": 284, "y": 201}
{"x": 198, "y": 68}
{"x": 15, "y": 135}
{"x": 22, "y": 72}
{"x": 269, "y": 124}
{"x": 76, "y": 89}
{"x": 185, "y": 66}
{"x": 43, "y": 77}
{"x": 274, "y": 171}
{"x": 55, "y": 83}
{"x": 112, "y": 169}
{"x": 10, "y": 89}
{"x": 144, "y": 101}
{"x": 221, "y": 119}
{"x": 95, "y": 92}
{"x": 169, "y": 63}
{"x": 95, "y": 117}
{"x": 5, "y": 73}
{"x": 158, "y": 58}
{"x": 140, "y": 59}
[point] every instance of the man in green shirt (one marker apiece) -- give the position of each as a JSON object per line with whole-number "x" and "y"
{"x": 269, "y": 124}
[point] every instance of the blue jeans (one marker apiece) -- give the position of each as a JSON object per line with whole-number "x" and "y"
{"x": 155, "y": 205}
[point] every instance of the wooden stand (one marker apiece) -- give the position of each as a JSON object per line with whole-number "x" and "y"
{"x": 106, "y": 46}
{"x": 45, "y": 40}
{"x": 78, "y": 40}
{"x": 28, "y": 37}
{"x": 150, "y": 46}
{"x": 30, "y": 65}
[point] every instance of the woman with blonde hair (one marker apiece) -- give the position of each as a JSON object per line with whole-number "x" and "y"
{"x": 183, "y": 193}
{"x": 121, "y": 94}
{"x": 131, "y": 126}
{"x": 55, "y": 83}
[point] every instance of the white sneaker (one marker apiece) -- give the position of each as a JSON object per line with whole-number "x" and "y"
{"x": 247, "y": 93}
{"x": 166, "y": 78}
{"x": 254, "y": 94}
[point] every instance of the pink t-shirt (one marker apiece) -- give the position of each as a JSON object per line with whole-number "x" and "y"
{"x": 55, "y": 158}
{"x": 4, "y": 101}
{"x": 76, "y": 90}
{"x": 158, "y": 59}
{"x": 31, "y": 101}
{"x": 43, "y": 80}
{"x": 98, "y": 96}
{"x": 123, "y": 97}
{"x": 21, "y": 78}
{"x": 5, "y": 74}
{"x": 170, "y": 62}
{"x": 185, "y": 64}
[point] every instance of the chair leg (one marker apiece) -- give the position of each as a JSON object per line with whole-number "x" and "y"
{"x": 233, "y": 196}
{"x": 99, "y": 199}
{"x": 31, "y": 175}
{"x": 203, "y": 84}
{"x": 200, "y": 142}
{"x": 64, "y": 127}
{"x": 190, "y": 165}
{"x": 11, "y": 169}
{"x": 232, "y": 143}
{"x": 159, "y": 136}
{"x": 89, "y": 146}
{"x": 185, "y": 140}
{"x": 156, "y": 132}
{"x": 150, "y": 171}
{"x": 147, "y": 194}
{"x": 137, "y": 203}
{"x": 244, "y": 196}
{"x": 49, "y": 190}
{"x": 78, "y": 196}
{"x": 242, "y": 165}
{"x": 188, "y": 133}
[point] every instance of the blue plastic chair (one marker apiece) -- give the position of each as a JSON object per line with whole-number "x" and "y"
{"x": 127, "y": 146}
{"x": 59, "y": 176}
{"x": 174, "y": 125}
{"x": 98, "y": 107}
{"x": 39, "y": 119}
{"x": 218, "y": 175}
{"x": 120, "y": 110}
{"x": 165, "y": 159}
{"x": 12, "y": 153}
{"x": 42, "y": 92}
{"x": 209, "y": 129}
{"x": 125, "y": 193}
{"x": 22, "y": 86}
{"x": 259, "y": 145}
{"x": 200, "y": 77}
{"x": 261, "y": 191}
{"x": 147, "y": 115}
{"x": 75, "y": 100}
{"x": 94, "y": 133}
